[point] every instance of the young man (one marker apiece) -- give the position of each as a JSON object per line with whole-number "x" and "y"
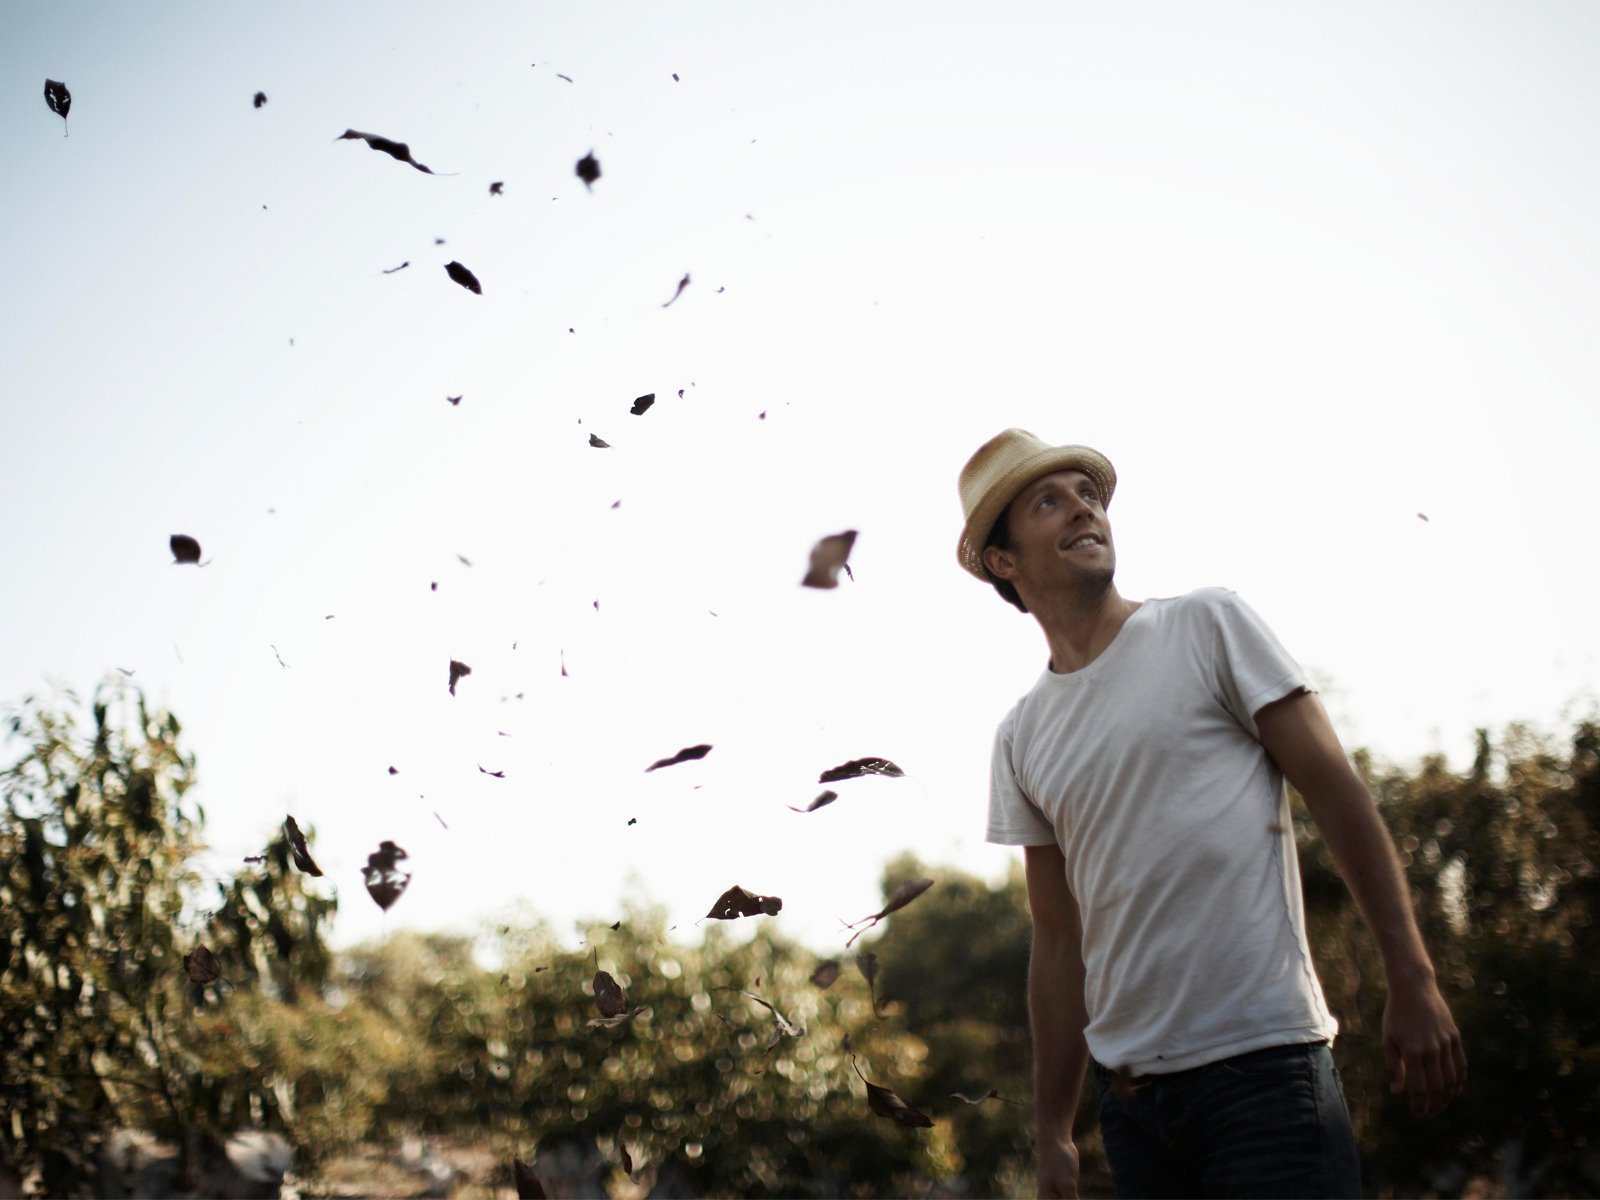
{"x": 1144, "y": 774}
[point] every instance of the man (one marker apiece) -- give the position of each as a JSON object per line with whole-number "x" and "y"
{"x": 1144, "y": 776}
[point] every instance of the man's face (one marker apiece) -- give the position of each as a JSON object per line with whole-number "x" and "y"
{"x": 1060, "y": 538}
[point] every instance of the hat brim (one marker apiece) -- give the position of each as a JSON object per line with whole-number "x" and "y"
{"x": 1006, "y": 489}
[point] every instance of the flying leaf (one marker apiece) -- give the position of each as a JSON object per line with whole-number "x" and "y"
{"x": 868, "y": 963}
{"x": 886, "y": 1104}
{"x": 627, "y": 1159}
{"x": 385, "y": 880}
{"x": 619, "y": 1019}
{"x": 497, "y": 188}
{"x": 687, "y": 754}
{"x": 857, "y": 767}
{"x": 260, "y": 99}
{"x": 397, "y": 150}
{"x": 739, "y": 902}
{"x": 455, "y": 400}
{"x": 785, "y": 1026}
{"x": 826, "y": 974}
{"x": 491, "y": 774}
{"x": 822, "y": 801}
{"x": 642, "y": 405}
{"x": 528, "y": 1185}
{"x": 59, "y": 100}
{"x": 184, "y": 548}
{"x": 827, "y": 556}
{"x": 991, "y": 1094}
{"x": 297, "y": 846}
{"x": 682, "y": 283}
{"x": 457, "y": 670}
{"x": 401, "y": 267}
{"x": 609, "y": 997}
{"x": 201, "y": 965}
{"x": 902, "y": 896}
{"x": 589, "y": 169}
{"x": 599, "y": 443}
{"x": 464, "y": 277}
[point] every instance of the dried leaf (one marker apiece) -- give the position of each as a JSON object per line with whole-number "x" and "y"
{"x": 1423, "y": 517}
{"x": 528, "y": 1185}
{"x": 857, "y": 767}
{"x": 627, "y": 1159}
{"x": 821, "y": 801}
{"x": 455, "y": 400}
{"x": 739, "y": 902}
{"x": 609, "y": 997}
{"x": 396, "y": 150}
{"x": 826, "y": 974}
{"x": 619, "y": 1019}
{"x": 886, "y": 1104}
{"x": 59, "y": 100}
{"x": 201, "y": 965}
{"x": 464, "y": 277}
{"x": 559, "y": 75}
{"x": 394, "y": 770}
{"x": 902, "y": 896}
{"x": 687, "y": 754}
{"x": 682, "y": 283}
{"x": 260, "y": 99}
{"x": 491, "y": 774}
{"x": 784, "y": 1025}
{"x": 598, "y": 443}
{"x": 255, "y": 858}
{"x": 184, "y": 548}
{"x": 297, "y": 846}
{"x": 401, "y": 267}
{"x": 497, "y": 188}
{"x": 457, "y": 670}
{"x": 642, "y": 405}
{"x": 868, "y": 963}
{"x": 385, "y": 880}
{"x": 589, "y": 169}
{"x": 991, "y": 1094}
{"x": 827, "y": 557}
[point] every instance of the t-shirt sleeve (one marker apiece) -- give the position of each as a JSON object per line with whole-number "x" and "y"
{"x": 1252, "y": 667}
{"x": 1014, "y": 820}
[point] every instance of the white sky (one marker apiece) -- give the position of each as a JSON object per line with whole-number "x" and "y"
{"x": 1302, "y": 271}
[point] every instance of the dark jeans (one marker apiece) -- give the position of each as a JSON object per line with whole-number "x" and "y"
{"x": 1271, "y": 1122}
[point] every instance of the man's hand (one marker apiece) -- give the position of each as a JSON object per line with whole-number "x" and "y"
{"x": 1058, "y": 1169}
{"x": 1423, "y": 1047}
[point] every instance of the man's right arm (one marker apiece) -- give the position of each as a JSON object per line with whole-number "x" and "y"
{"x": 1058, "y": 1016}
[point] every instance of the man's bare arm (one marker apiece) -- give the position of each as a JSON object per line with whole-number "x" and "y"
{"x": 1421, "y": 1042}
{"x": 1058, "y": 1016}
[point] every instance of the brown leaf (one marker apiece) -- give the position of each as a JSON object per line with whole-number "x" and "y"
{"x": 886, "y": 1104}
{"x": 395, "y": 150}
{"x": 491, "y": 774}
{"x": 991, "y": 1094}
{"x": 588, "y": 169}
{"x": 184, "y": 548}
{"x": 857, "y": 767}
{"x": 609, "y": 997}
{"x": 902, "y": 896}
{"x": 497, "y": 188}
{"x": 201, "y": 965}
{"x": 455, "y": 400}
{"x": 457, "y": 670}
{"x": 385, "y": 880}
{"x": 297, "y": 846}
{"x": 464, "y": 277}
{"x": 642, "y": 405}
{"x": 827, "y": 557}
{"x": 687, "y": 754}
{"x": 682, "y": 283}
{"x": 528, "y": 1185}
{"x": 627, "y": 1159}
{"x": 401, "y": 267}
{"x": 739, "y": 902}
{"x": 619, "y": 1019}
{"x": 59, "y": 99}
{"x": 826, "y": 973}
{"x": 821, "y": 801}
{"x": 260, "y": 99}
{"x": 599, "y": 443}
{"x": 868, "y": 963}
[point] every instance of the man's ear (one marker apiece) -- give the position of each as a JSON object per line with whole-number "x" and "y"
{"x": 1001, "y": 563}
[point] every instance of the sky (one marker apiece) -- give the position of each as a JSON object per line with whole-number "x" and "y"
{"x": 1320, "y": 280}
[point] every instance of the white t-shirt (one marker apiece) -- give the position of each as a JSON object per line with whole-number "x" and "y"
{"x": 1144, "y": 767}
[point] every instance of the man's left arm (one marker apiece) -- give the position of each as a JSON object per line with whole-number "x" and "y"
{"x": 1421, "y": 1042}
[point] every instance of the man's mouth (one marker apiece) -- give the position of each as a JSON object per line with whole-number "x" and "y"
{"x": 1084, "y": 540}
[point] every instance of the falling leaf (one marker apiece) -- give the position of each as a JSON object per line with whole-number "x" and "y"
{"x": 528, "y": 1185}
{"x": 397, "y": 150}
{"x": 991, "y": 1094}
{"x": 785, "y": 1026}
{"x": 279, "y": 657}
{"x": 827, "y": 556}
{"x": 633, "y": 820}
{"x": 559, "y": 75}
{"x": 59, "y": 100}
{"x": 255, "y": 858}
{"x": 440, "y": 819}
{"x": 857, "y": 767}
{"x": 393, "y": 771}
{"x": 455, "y": 400}
{"x": 687, "y": 754}
{"x": 201, "y": 965}
{"x": 613, "y": 1022}
{"x": 826, "y": 974}
{"x": 491, "y": 774}
{"x": 609, "y": 997}
{"x": 598, "y": 443}
{"x": 868, "y": 963}
{"x": 589, "y": 169}
{"x": 385, "y": 880}
{"x": 1423, "y": 517}
{"x": 642, "y": 405}
{"x": 184, "y": 548}
{"x": 297, "y": 847}
{"x": 467, "y": 562}
{"x": 457, "y": 670}
{"x": 126, "y": 672}
{"x": 261, "y": 98}
{"x": 674, "y": 77}
{"x": 463, "y": 276}
{"x": 497, "y": 188}
{"x": 627, "y": 1159}
{"x": 401, "y": 267}
{"x": 821, "y": 801}
{"x": 902, "y": 896}
{"x": 739, "y": 902}
{"x": 682, "y": 283}
{"x": 886, "y": 1104}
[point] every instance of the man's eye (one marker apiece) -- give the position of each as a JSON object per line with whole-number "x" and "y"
{"x": 1092, "y": 496}
{"x": 1043, "y": 500}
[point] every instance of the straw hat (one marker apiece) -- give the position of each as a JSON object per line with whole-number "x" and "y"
{"x": 1002, "y": 467}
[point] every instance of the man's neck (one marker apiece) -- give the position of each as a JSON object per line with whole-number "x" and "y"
{"x": 1079, "y": 628}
